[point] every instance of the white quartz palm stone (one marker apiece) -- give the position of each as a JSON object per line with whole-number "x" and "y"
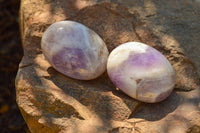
{"x": 74, "y": 50}
{"x": 141, "y": 72}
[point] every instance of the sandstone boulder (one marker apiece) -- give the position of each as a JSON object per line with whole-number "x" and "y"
{"x": 51, "y": 102}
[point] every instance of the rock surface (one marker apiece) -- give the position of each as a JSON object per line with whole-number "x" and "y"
{"x": 51, "y": 102}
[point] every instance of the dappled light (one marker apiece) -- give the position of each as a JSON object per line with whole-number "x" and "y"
{"x": 52, "y": 102}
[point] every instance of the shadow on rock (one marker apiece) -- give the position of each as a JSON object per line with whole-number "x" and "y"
{"x": 157, "y": 111}
{"x": 147, "y": 111}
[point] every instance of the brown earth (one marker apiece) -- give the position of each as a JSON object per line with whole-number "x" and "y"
{"x": 11, "y": 53}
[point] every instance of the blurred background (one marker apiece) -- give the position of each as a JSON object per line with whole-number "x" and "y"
{"x": 11, "y": 53}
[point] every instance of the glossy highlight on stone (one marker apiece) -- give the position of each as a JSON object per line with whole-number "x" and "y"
{"x": 141, "y": 72}
{"x": 74, "y": 50}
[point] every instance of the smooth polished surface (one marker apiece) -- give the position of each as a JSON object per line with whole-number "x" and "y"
{"x": 75, "y": 50}
{"x": 141, "y": 72}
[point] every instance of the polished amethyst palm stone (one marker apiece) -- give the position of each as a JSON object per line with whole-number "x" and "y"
{"x": 141, "y": 72}
{"x": 75, "y": 50}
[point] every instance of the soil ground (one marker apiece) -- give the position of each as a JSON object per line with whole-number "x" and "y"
{"x": 11, "y": 53}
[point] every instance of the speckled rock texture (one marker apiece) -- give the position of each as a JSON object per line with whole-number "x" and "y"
{"x": 51, "y": 102}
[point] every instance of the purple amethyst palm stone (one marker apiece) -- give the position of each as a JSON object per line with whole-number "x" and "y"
{"x": 141, "y": 72}
{"x": 74, "y": 50}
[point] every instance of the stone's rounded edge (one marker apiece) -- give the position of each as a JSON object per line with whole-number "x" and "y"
{"x": 81, "y": 55}
{"x": 141, "y": 72}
